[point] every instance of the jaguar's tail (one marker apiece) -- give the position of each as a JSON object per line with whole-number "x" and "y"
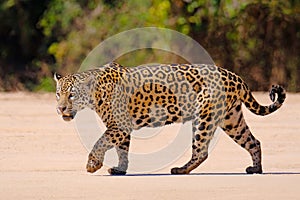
{"x": 251, "y": 103}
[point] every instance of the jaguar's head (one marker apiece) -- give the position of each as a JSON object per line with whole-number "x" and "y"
{"x": 72, "y": 95}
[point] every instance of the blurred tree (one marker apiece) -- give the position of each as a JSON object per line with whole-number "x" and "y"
{"x": 20, "y": 41}
{"x": 258, "y": 39}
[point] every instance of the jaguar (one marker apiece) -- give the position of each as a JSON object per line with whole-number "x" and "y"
{"x": 130, "y": 98}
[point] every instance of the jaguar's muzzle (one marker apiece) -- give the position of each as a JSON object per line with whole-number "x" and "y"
{"x": 68, "y": 117}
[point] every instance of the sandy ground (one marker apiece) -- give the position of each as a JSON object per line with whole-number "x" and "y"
{"x": 41, "y": 157}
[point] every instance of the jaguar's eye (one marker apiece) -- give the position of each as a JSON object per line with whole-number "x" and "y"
{"x": 57, "y": 95}
{"x": 71, "y": 96}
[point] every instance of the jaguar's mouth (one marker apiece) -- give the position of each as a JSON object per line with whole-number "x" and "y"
{"x": 68, "y": 117}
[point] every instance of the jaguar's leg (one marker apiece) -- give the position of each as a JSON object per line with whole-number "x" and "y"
{"x": 122, "y": 151}
{"x": 204, "y": 126}
{"x": 235, "y": 126}
{"x": 203, "y": 133}
{"x": 112, "y": 137}
{"x": 206, "y": 119}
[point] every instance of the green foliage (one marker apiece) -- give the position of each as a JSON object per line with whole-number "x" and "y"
{"x": 258, "y": 39}
{"x": 158, "y": 13}
{"x": 46, "y": 85}
{"x": 58, "y": 18}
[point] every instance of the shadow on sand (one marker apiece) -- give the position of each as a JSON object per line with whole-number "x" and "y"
{"x": 210, "y": 174}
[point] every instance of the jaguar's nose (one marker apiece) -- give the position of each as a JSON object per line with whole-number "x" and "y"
{"x": 61, "y": 109}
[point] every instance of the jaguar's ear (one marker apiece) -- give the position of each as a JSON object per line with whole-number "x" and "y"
{"x": 88, "y": 81}
{"x": 56, "y": 77}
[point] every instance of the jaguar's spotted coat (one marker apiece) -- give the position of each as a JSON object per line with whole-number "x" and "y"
{"x": 151, "y": 96}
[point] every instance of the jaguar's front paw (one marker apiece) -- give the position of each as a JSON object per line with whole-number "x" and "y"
{"x": 93, "y": 165}
{"x": 254, "y": 170}
{"x": 116, "y": 171}
{"x": 179, "y": 170}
